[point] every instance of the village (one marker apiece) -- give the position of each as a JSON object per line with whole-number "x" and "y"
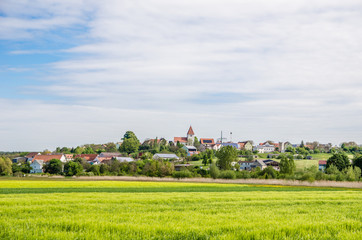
{"x": 190, "y": 151}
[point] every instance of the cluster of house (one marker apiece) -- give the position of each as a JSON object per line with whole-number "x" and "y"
{"x": 209, "y": 143}
{"x": 37, "y": 160}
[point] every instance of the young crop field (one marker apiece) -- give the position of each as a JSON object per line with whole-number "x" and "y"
{"x": 57, "y": 209}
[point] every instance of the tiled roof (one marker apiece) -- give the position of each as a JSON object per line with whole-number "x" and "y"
{"x": 191, "y": 131}
{"x": 180, "y": 139}
{"x": 322, "y": 162}
{"x": 88, "y": 157}
{"x": 31, "y": 155}
{"x": 46, "y": 158}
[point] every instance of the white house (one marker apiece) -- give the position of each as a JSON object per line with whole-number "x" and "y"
{"x": 266, "y": 148}
{"x": 37, "y": 166}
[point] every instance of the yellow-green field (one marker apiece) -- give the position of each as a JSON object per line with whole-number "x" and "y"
{"x": 155, "y": 210}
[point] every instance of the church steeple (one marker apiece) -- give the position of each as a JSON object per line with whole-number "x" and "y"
{"x": 190, "y": 132}
{"x": 190, "y": 136}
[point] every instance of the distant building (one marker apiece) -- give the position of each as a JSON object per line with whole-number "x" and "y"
{"x": 273, "y": 164}
{"x": 189, "y": 140}
{"x": 190, "y": 150}
{"x": 207, "y": 143}
{"x": 250, "y": 165}
{"x": 246, "y": 145}
{"x": 165, "y": 156}
{"x": 322, "y": 165}
{"x": 37, "y": 163}
{"x": 19, "y": 160}
{"x": 124, "y": 159}
{"x": 265, "y": 148}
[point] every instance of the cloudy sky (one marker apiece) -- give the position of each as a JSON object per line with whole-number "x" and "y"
{"x": 75, "y": 72}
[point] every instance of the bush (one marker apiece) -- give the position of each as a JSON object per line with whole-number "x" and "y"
{"x": 182, "y": 174}
{"x": 228, "y": 174}
{"x": 268, "y": 173}
{"x": 18, "y": 174}
{"x": 308, "y": 177}
{"x": 214, "y": 171}
{"x": 243, "y": 174}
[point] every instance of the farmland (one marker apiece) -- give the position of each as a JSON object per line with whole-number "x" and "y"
{"x": 57, "y": 209}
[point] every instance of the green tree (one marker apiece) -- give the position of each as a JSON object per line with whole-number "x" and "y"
{"x": 197, "y": 143}
{"x": 78, "y": 150}
{"x": 95, "y": 170}
{"x": 72, "y": 168}
{"x": 226, "y": 156}
{"x": 205, "y": 159}
{"x": 357, "y": 161}
{"x": 111, "y": 147}
{"x": 25, "y": 167}
{"x": 130, "y": 143}
{"x": 340, "y": 160}
{"x": 5, "y": 166}
{"x": 88, "y": 150}
{"x": 214, "y": 171}
{"x": 85, "y": 164}
{"x": 128, "y": 135}
{"x": 287, "y": 165}
{"x": 53, "y": 167}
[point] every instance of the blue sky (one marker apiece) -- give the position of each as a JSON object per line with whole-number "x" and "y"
{"x": 75, "y": 72}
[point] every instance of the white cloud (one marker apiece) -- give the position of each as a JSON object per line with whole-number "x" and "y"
{"x": 291, "y": 68}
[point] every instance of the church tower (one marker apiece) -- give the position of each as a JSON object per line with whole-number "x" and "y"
{"x": 190, "y": 136}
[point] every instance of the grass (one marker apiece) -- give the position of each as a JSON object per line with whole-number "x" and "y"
{"x": 155, "y": 210}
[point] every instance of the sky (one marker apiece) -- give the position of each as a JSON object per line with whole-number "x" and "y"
{"x": 74, "y": 72}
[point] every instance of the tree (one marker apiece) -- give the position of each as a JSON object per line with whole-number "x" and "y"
{"x": 85, "y": 164}
{"x": 72, "y": 168}
{"x": 226, "y": 156}
{"x": 340, "y": 160}
{"x": 197, "y": 143}
{"x": 25, "y": 167}
{"x": 214, "y": 171}
{"x": 205, "y": 160}
{"x": 88, "y": 150}
{"x": 78, "y": 150}
{"x": 357, "y": 161}
{"x": 5, "y": 166}
{"x": 302, "y": 144}
{"x": 287, "y": 165}
{"x": 111, "y": 147}
{"x": 53, "y": 167}
{"x": 128, "y": 135}
{"x": 95, "y": 170}
{"x": 130, "y": 143}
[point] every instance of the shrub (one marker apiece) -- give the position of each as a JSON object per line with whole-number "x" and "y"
{"x": 182, "y": 174}
{"x": 214, "y": 171}
{"x": 227, "y": 174}
{"x": 243, "y": 174}
{"x": 268, "y": 173}
{"x": 308, "y": 177}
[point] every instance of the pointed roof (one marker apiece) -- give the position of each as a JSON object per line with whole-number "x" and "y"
{"x": 190, "y": 132}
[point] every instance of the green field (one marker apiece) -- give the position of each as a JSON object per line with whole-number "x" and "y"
{"x": 150, "y": 210}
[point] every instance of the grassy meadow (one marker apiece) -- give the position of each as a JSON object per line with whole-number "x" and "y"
{"x": 58, "y": 209}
